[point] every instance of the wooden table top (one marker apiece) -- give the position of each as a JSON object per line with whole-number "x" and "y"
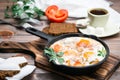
{"x": 21, "y": 36}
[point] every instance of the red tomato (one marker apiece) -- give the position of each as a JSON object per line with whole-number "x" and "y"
{"x": 55, "y": 14}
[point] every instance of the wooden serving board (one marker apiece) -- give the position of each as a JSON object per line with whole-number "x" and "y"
{"x": 35, "y": 49}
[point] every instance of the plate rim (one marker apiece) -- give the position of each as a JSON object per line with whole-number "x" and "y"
{"x": 102, "y": 36}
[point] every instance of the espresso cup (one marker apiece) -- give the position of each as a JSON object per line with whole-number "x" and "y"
{"x": 98, "y": 17}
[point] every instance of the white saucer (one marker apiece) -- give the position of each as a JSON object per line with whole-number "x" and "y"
{"x": 110, "y": 29}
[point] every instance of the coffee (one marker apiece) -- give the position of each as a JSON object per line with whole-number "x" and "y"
{"x": 98, "y": 12}
{"x": 98, "y": 17}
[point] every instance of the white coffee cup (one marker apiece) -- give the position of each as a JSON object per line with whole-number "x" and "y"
{"x": 98, "y": 17}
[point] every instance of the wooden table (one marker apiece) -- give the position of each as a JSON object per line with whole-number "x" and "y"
{"x": 21, "y": 36}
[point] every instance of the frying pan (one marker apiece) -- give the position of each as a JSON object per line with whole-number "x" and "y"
{"x": 69, "y": 69}
{"x": 52, "y": 39}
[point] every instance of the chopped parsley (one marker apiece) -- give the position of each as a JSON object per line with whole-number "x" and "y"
{"x": 23, "y": 9}
{"x": 53, "y": 56}
{"x": 102, "y": 52}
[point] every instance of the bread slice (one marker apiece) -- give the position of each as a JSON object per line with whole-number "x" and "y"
{"x": 46, "y": 30}
{"x": 8, "y": 69}
{"x": 62, "y": 28}
{"x": 8, "y": 73}
{"x": 20, "y": 60}
{"x": 11, "y": 66}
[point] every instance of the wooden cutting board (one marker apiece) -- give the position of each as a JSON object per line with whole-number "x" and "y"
{"x": 35, "y": 48}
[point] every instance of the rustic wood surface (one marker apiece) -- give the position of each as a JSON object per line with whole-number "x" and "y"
{"x": 35, "y": 50}
{"x": 23, "y": 37}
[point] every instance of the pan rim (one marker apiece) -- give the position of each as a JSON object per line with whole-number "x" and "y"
{"x": 79, "y": 35}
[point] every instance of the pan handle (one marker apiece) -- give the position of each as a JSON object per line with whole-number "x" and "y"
{"x": 39, "y": 33}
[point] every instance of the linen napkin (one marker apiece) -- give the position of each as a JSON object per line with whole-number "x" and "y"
{"x": 16, "y": 60}
{"x": 1, "y": 60}
{"x": 9, "y": 66}
{"x": 76, "y": 8}
{"x": 12, "y": 63}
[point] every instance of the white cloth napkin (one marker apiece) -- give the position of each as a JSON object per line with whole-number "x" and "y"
{"x": 1, "y": 60}
{"x": 12, "y": 63}
{"x": 17, "y": 60}
{"x": 79, "y": 8}
{"x": 76, "y": 8}
{"x": 9, "y": 66}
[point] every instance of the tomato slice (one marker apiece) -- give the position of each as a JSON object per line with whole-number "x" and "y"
{"x": 55, "y": 14}
{"x": 57, "y": 47}
{"x": 83, "y": 43}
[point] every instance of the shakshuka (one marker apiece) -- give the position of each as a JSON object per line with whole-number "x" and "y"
{"x": 79, "y": 51}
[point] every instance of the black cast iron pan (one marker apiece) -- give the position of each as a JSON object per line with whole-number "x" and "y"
{"x": 51, "y": 40}
{"x": 64, "y": 68}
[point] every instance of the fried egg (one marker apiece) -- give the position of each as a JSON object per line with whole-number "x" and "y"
{"x": 79, "y": 51}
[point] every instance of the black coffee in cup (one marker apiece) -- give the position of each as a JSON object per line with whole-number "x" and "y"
{"x": 98, "y": 12}
{"x": 98, "y": 17}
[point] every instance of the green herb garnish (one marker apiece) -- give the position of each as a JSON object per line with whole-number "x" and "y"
{"x": 6, "y": 12}
{"x": 102, "y": 52}
{"x": 53, "y": 55}
{"x": 23, "y": 9}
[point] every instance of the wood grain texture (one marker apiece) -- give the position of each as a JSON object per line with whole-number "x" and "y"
{"x": 30, "y": 40}
{"x": 36, "y": 50}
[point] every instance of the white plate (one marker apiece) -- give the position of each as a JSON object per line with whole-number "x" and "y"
{"x": 110, "y": 29}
